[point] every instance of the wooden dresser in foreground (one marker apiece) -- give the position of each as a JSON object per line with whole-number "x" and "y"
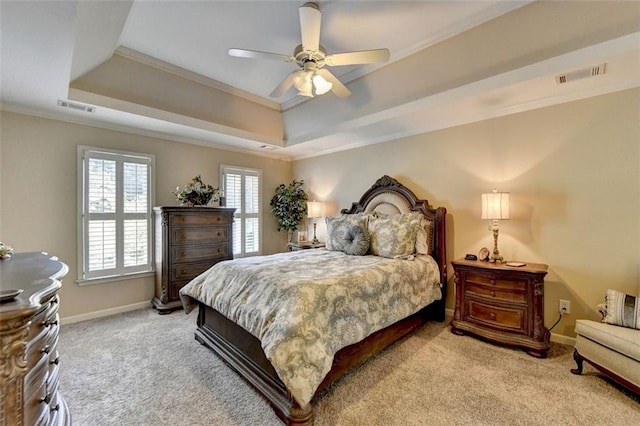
{"x": 189, "y": 240}
{"x": 502, "y": 304}
{"x": 29, "y": 327}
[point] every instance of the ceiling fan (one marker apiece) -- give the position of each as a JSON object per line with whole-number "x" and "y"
{"x": 312, "y": 78}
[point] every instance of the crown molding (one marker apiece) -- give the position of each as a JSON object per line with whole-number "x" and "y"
{"x": 140, "y": 57}
{"x": 99, "y": 124}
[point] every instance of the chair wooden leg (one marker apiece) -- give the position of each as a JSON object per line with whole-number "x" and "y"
{"x": 579, "y": 360}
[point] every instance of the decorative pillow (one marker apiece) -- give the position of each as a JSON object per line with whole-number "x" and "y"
{"x": 622, "y": 309}
{"x": 337, "y": 228}
{"x": 424, "y": 237}
{"x": 356, "y": 241}
{"x": 394, "y": 236}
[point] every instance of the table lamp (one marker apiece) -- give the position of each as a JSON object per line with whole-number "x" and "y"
{"x": 495, "y": 207}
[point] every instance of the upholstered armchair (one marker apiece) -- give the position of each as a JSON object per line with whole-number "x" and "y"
{"x": 613, "y": 345}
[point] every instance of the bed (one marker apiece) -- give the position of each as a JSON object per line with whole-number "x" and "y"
{"x": 285, "y": 373}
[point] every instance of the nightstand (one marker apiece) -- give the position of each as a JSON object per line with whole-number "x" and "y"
{"x": 304, "y": 245}
{"x": 502, "y": 304}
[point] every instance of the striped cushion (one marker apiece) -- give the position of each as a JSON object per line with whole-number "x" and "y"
{"x": 622, "y": 309}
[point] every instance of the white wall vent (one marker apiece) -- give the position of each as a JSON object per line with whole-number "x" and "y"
{"x": 76, "y": 106}
{"x": 593, "y": 71}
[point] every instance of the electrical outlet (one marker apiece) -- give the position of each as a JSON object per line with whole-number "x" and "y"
{"x": 564, "y": 306}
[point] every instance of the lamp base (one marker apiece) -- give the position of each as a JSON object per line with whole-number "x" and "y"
{"x": 315, "y": 239}
{"x": 496, "y": 259}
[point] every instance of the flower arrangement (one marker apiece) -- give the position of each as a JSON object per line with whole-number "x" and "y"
{"x": 5, "y": 251}
{"x": 196, "y": 193}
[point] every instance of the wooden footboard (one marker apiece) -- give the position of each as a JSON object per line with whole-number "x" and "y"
{"x": 243, "y": 352}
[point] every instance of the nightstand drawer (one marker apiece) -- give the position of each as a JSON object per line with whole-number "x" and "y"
{"x": 211, "y": 218}
{"x": 495, "y": 292}
{"x": 509, "y": 319}
{"x": 202, "y": 234}
{"x": 496, "y": 282}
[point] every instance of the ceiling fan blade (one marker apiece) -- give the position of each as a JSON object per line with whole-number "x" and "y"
{"x": 363, "y": 57}
{"x": 338, "y": 88}
{"x": 310, "y": 26}
{"x": 283, "y": 86}
{"x": 256, "y": 54}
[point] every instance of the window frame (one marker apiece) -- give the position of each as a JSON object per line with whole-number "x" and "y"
{"x": 121, "y": 272}
{"x": 239, "y": 217}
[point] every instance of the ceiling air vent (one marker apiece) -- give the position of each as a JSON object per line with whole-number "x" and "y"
{"x": 593, "y": 71}
{"x": 78, "y": 107}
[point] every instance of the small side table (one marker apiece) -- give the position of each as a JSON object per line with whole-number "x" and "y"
{"x": 502, "y": 304}
{"x": 303, "y": 245}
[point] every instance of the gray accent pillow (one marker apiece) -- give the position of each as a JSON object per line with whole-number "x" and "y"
{"x": 337, "y": 228}
{"x": 356, "y": 241}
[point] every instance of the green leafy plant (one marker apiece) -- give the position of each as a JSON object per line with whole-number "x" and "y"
{"x": 289, "y": 205}
{"x": 196, "y": 193}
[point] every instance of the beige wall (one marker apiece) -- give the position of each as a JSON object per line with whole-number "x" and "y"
{"x": 573, "y": 174}
{"x": 38, "y": 204}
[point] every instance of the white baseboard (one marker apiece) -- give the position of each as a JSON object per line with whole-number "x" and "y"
{"x": 561, "y": 338}
{"x": 556, "y": 338}
{"x": 104, "y": 313}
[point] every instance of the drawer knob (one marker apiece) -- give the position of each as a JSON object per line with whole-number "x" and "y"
{"x": 49, "y": 323}
{"x": 183, "y": 272}
{"x": 219, "y": 250}
{"x": 492, "y": 316}
{"x": 46, "y": 349}
{"x": 219, "y": 234}
{"x": 493, "y": 282}
{"x": 46, "y": 399}
{"x": 493, "y": 293}
{"x": 55, "y": 361}
{"x": 56, "y": 408}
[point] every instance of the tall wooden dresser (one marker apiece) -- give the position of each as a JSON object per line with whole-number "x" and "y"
{"x": 189, "y": 240}
{"x": 29, "y": 326}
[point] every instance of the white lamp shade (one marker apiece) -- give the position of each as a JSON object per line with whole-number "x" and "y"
{"x": 495, "y": 205}
{"x": 322, "y": 86}
{"x": 314, "y": 209}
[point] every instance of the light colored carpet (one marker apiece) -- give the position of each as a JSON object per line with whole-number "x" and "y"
{"x": 141, "y": 368}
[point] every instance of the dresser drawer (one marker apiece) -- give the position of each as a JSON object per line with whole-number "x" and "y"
{"x": 187, "y": 271}
{"x": 181, "y": 254}
{"x": 495, "y": 292}
{"x": 36, "y": 406}
{"x": 512, "y": 319}
{"x": 199, "y": 235}
{"x": 498, "y": 283}
{"x": 211, "y": 218}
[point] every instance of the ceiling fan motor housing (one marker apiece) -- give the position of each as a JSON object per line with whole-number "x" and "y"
{"x": 303, "y": 56}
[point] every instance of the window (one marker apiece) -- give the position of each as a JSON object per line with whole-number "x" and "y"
{"x": 242, "y": 189}
{"x": 114, "y": 214}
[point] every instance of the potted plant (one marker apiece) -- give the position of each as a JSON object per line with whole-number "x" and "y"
{"x": 289, "y": 205}
{"x": 196, "y": 193}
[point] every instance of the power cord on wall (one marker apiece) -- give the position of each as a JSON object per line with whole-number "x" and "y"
{"x": 559, "y": 318}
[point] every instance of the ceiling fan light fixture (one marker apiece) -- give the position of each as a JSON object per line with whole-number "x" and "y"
{"x": 302, "y": 82}
{"x": 322, "y": 86}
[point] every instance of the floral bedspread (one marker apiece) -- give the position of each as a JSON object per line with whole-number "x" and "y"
{"x": 306, "y": 305}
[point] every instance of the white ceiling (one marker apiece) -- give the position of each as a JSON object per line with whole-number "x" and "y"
{"x": 46, "y": 45}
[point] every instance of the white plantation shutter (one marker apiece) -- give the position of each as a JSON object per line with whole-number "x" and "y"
{"x": 242, "y": 189}
{"x": 115, "y": 213}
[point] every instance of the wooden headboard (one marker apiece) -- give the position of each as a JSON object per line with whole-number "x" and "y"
{"x": 387, "y": 195}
